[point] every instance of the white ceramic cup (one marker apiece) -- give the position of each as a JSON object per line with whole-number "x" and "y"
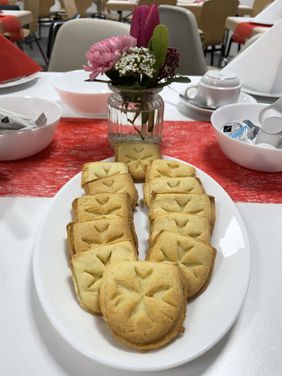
{"x": 217, "y": 89}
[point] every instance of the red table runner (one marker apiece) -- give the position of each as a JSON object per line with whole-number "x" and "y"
{"x": 82, "y": 140}
{"x": 244, "y": 30}
{"x": 12, "y": 26}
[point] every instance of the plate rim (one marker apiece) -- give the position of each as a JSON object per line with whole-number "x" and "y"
{"x": 169, "y": 365}
{"x": 20, "y": 81}
{"x": 259, "y": 93}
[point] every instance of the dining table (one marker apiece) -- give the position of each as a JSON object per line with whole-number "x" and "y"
{"x": 232, "y": 22}
{"x": 121, "y": 6}
{"x": 30, "y": 344}
{"x": 23, "y": 16}
{"x": 193, "y": 6}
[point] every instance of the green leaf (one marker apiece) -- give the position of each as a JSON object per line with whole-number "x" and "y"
{"x": 158, "y": 45}
{"x": 179, "y": 79}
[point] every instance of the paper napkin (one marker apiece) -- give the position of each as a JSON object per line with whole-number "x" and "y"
{"x": 10, "y": 120}
{"x": 14, "y": 63}
{"x": 259, "y": 66}
{"x": 269, "y": 15}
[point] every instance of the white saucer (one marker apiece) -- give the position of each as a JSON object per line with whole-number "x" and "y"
{"x": 261, "y": 94}
{"x": 204, "y": 114}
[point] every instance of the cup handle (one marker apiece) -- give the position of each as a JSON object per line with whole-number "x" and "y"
{"x": 191, "y": 93}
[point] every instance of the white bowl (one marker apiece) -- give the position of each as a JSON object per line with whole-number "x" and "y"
{"x": 24, "y": 143}
{"x": 250, "y": 156}
{"x": 83, "y": 97}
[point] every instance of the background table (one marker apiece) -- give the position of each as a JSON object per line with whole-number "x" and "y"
{"x": 232, "y": 22}
{"x": 128, "y": 6}
{"x": 24, "y": 16}
{"x": 29, "y": 344}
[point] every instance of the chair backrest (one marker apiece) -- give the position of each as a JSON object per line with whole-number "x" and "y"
{"x": 76, "y": 36}
{"x": 70, "y": 8}
{"x": 157, "y": 2}
{"x": 259, "y": 5}
{"x": 33, "y": 7}
{"x": 44, "y": 8}
{"x": 212, "y": 19}
{"x": 82, "y": 6}
{"x": 184, "y": 35}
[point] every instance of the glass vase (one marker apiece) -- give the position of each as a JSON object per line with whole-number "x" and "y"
{"x": 135, "y": 116}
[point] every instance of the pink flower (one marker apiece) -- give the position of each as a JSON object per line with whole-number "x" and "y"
{"x": 145, "y": 18}
{"x": 103, "y": 55}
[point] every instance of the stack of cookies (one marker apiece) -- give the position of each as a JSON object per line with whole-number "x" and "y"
{"x": 182, "y": 217}
{"x": 143, "y": 302}
{"x": 102, "y": 230}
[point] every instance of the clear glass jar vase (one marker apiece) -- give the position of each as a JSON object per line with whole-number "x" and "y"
{"x": 135, "y": 116}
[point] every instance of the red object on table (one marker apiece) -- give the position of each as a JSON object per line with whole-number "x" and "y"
{"x": 244, "y": 30}
{"x": 4, "y": 2}
{"x": 14, "y": 63}
{"x": 12, "y": 26}
{"x": 83, "y": 140}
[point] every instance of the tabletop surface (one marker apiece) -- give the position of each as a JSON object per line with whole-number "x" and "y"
{"x": 30, "y": 346}
{"x": 232, "y": 22}
{"x": 24, "y": 16}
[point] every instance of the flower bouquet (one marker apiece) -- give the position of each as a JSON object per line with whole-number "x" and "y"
{"x": 137, "y": 67}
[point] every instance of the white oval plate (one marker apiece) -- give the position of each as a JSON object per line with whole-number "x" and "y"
{"x": 209, "y": 316}
{"x": 19, "y": 81}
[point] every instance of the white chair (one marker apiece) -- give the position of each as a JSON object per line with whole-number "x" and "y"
{"x": 76, "y": 36}
{"x": 184, "y": 35}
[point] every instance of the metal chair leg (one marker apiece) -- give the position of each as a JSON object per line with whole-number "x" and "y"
{"x": 40, "y": 49}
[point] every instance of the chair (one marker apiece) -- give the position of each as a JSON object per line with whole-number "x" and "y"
{"x": 100, "y": 11}
{"x": 44, "y": 14}
{"x": 76, "y": 36}
{"x": 183, "y": 35}
{"x": 212, "y": 23}
{"x": 257, "y": 7}
{"x": 69, "y": 12}
{"x": 128, "y": 17}
{"x": 82, "y": 6}
{"x": 29, "y": 34}
{"x": 157, "y": 2}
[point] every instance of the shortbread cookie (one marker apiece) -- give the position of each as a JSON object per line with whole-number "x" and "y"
{"x": 194, "y": 258}
{"x": 165, "y": 168}
{"x": 188, "y": 184}
{"x": 102, "y": 206}
{"x": 83, "y": 236}
{"x": 88, "y": 268}
{"x": 137, "y": 156}
{"x": 96, "y": 170}
{"x": 143, "y": 303}
{"x": 166, "y": 203}
{"x": 192, "y": 225}
{"x": 121, "y": 183}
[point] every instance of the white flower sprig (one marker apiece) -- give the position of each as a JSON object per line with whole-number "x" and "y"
{"x": 136, "y": 61}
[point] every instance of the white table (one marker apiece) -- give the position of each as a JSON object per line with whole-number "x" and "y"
{"x": 232, "y": 22}
{"x": 31, "y": 347}
{"x": 24, "y": 16}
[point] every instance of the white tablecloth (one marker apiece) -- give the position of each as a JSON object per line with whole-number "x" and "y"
{"x": 31, "y": 347}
